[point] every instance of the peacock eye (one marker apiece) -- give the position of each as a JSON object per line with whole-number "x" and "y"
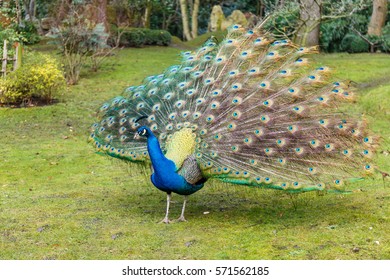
{"x": 142, "y": 132}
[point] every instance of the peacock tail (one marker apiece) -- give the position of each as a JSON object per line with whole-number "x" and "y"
{"x": 251, "y": 110}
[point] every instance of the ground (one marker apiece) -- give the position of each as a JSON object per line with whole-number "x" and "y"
{"x": 61, "y": 200}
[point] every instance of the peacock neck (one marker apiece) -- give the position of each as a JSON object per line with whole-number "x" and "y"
{"x": 159, "y": 161}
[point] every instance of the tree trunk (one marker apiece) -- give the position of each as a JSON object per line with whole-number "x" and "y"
{"x": 63, "y": 10}
{"x": 378, "y": 17}
{"x": 101, "y": 13}
{"x": 18, "y": 12}
{"x": 147, "y": 14}
{"x": 308, "y": 32}
{"x": 194, "y": 19}
{"x": 185, "y": 20}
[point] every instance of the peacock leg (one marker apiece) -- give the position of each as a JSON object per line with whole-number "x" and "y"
{"x": 166, "y": 220}
{"x": 181, "y": 218}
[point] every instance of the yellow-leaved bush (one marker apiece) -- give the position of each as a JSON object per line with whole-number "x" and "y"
{"x": 38, "y": 80}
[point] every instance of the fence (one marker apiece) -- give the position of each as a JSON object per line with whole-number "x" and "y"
{"x": 17, "y": 59}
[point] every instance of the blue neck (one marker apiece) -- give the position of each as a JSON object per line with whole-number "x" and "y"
{"x": 160, "y": 163}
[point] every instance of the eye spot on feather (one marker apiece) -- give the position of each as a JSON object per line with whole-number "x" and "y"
{"x": 179, "y": 126}
{"x": 298, "y": 109}
{"x": 104, "y": 107}
{"x": 217, "y": 136}
{"x": 210, "y": 118}
{"x": 237, "y": 100}
{"x": 229, "y": 41}
{"x": 198, "y": 74}
{"x": 213, "y": 154}
{"x": 296, "y": 185}
{"x": 265, "y": 119}
{"x": 264, "y": 85}
{"x": 367, "y": 140}
{"x": 267, "y": 180}
{"x": 281, "y": 142}
{"x": 225, "y": 170}
{"x": 156, "y": 107}
{"x": 233, "y": 73}
{"x": 200, "y": 101}
{"x": 166, "y": 81}
{"x": 219, "y": 60}
{"x": 190, "y": 92}
{"x": 248, "y": 140}
{"x": 253, "y": 71}
{"x": 368, "y": 168}
{"x": 208, "y": 81}
{"x": 338, "y": 182}
{"x": 231, "y": 126}
{"x": 329, "y": 147}
{"x": 245, "y": 54}
{"x": 235, "y": 148}
{"x": 140, "y": 105}
{"x": 236, "y": 114}
{"x": 187, "y": 69}
{"x": 268, "y": 103}
{"x": 312, "y": 170}
{"x": 172, "y": 116}
{"x": 152, "y": 92}
{"x": 168, "y": 95}
{"x": 183, "y": 85}
{"x": 324, "y": 122}
{"x": 216, "y": 93}
{"x": 347, "y": 152}
{"x": 236, "y": 87}
{"x": 314, "y": 143}
{"x": 214, "y": 105}
{"x": 299, "y": 150}
{"x": 169, "y": 126}
{"x": 179, "y": 104}
{"x": 259, "y": 132}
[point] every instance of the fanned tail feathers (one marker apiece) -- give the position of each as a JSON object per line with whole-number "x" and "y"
{"x": 260, "y": 114}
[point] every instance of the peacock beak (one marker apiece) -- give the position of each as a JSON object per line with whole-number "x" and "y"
{"x": 136, "y": 136}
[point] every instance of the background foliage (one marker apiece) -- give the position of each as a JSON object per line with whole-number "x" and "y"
{"x": 39, "y": 79}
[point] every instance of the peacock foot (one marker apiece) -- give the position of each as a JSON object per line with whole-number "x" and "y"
{"x": 165, "y": 221}
{"x": 181, "y": 219}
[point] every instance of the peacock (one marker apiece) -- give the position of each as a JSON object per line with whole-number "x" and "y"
{"x": 250, "y": 110}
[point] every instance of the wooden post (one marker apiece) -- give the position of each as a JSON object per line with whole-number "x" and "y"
{"x": 18, "y": 56}
{"x": 4, "y": 64}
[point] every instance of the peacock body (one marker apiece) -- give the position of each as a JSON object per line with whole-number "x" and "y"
{"x": 250, "y": 110}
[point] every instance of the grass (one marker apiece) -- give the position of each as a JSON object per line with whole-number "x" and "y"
{"x": 60, "y": 200}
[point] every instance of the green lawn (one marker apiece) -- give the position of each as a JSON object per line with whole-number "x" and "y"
{"x": 60, "y": 200}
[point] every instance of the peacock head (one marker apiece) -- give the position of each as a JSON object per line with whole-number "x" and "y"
{"x": 143, "y": 131}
